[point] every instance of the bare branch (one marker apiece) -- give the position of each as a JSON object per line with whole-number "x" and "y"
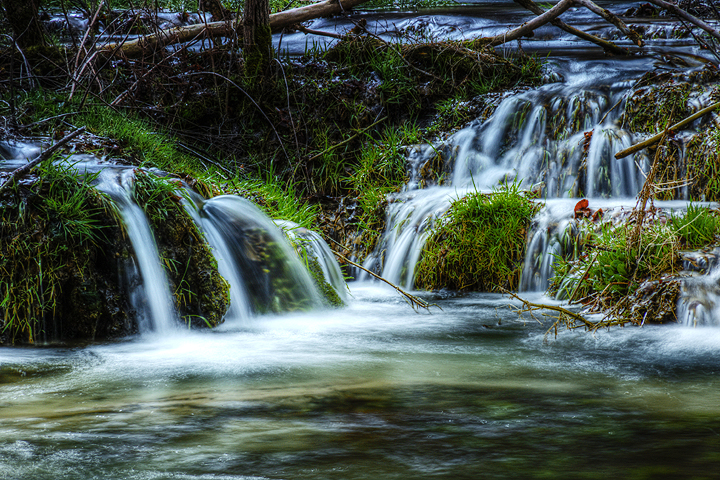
{"x": 614, "y": 19}
{"x": 609, "y": 47}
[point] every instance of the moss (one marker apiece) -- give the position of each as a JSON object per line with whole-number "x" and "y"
{"x": 651, "y": 109}
{"x": 202, "y": 296}
{"x": 329, "y": 295}
{"x": 59, "y": 272}
{"x": 479, "y": 244}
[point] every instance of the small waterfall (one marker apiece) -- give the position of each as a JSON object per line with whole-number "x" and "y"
{"x": 699, "y": 300}
{"x": 239, "y": 304}
{"x": 154, "y": 305}
{"x": 316, "y": 248}
{"x": 274, "y": 278}
{"x": 559, "y": 138}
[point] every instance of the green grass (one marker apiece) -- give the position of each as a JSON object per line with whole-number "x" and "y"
{"x": 479, "y": 244}
{"x": 699, "y": 227}
{"x": 46, "y": 241}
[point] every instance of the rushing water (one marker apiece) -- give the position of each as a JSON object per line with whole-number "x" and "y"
{"x": 371, "y": 391}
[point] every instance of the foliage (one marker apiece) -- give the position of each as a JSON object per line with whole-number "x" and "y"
{"x": 52, "y": 235}
{"x": 479, "y": 244}
{"x": 699, "y": 227}
{"x": 382, "y": 171}
{"x": 276, "y": 200}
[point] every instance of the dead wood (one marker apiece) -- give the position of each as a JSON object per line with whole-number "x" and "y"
{"x": 278, "y": 21}
{"x": 656, "y": 138}
{"x": 608, "y": 46}
{"x": 612, "y": 18}
{"x": 41, "y": 158}
{"x": 685, "y": 15}
{"x": 526, "y": 29}
{"x": 414, "y": 301}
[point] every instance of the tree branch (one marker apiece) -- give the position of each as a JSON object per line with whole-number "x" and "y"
{"x": 609, "y": 47}
{"x": 612, "y": 18}
{"x": 41, "y": 158}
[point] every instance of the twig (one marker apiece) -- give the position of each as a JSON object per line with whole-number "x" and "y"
{"x": 530, "y": 306}
{"x": 414, "y": 301}
{"x": 41, "y": 158}
{"x": 656, "y": 138}
{"x": 308, "y": 31}
{"x": 228, "y": 174}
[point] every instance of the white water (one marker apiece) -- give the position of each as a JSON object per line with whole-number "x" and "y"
{"x": 316, "y": 248}
{"x": 559, "y": 139}
{"x": 156, "y": 312}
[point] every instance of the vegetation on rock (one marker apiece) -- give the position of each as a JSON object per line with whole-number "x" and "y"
{"x": 479, "y": 243}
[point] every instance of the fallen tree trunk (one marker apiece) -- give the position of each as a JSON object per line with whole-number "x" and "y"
{"x": 527, "y": 28}
{"x": 278, "y": 21}
{"x": 685, "y": 15}
{"x": 612, "y": 18}
{"x": 609, "y": 47}
{"x": 656, "y": 138}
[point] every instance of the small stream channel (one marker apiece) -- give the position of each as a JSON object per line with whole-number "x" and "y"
{"x": 376, "y": 390}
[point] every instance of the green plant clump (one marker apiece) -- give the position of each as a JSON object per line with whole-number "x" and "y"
{"x": 479, "y": 244}
{"x": 59, "y": 240}
{"x": 699, "y": 227}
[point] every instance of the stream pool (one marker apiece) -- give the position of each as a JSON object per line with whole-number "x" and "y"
{"x": 372, "y": 391}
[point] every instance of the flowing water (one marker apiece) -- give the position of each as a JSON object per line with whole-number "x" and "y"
{"x": 375, "y": 390}
{"x": 370, "y": 391}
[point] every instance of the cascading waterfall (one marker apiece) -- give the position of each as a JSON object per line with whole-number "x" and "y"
{"x": 159, "y": 316}
{"x": 559, "y": 140}
{"x": 316, "y": 248}
{"x": 252, "y": 253}
{"x": 243, "y": 227}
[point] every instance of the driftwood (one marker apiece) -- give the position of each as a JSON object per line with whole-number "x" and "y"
{"x": 685, "y": 15}
{"x": 278, "y": 21}
{"x": 612, "y": 18}
{"x": 656, "y": 138}
{"x": 527, "y": 28}
{"x": 41, "y": 158}
{"x": 608, "y": 46}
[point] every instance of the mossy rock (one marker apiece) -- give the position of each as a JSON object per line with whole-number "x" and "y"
{"x": 60, "y": 259}
{"x": 201, "y": 294}
{"x": 479, "y": 244}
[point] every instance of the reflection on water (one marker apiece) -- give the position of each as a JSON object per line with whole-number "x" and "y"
{"x": 371, "y": 391}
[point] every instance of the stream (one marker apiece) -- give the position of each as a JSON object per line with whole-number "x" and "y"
{"x": 371, "y": 391}
{"x": 376, "y": 390}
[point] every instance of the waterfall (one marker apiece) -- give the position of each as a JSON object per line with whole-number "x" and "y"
{"x": 154, "y": 304}
{"x": 559, "y": 139}
{"x": 273, "y": 276}
{"x": 317, "y": 249}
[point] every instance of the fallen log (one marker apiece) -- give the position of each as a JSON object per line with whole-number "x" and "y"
{"x": 612, "y": 18}
{"x": 527, "y": 28}
{"x": 606, "y": 45}
{"x": 278, "y": 21}
{"x": 685, "y": 15}
{"x": 656, "y": 138}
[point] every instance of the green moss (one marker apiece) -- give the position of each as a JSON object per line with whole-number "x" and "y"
{"x": 479, "y": 244}
{"x": 329, "y": 295}
{"x": 652, "y": 109}
{"x": 202, "y": 296}
{"x": 59, "y": 241}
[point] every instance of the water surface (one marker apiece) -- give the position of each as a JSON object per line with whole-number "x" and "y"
{"x": 371, "y": 391}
